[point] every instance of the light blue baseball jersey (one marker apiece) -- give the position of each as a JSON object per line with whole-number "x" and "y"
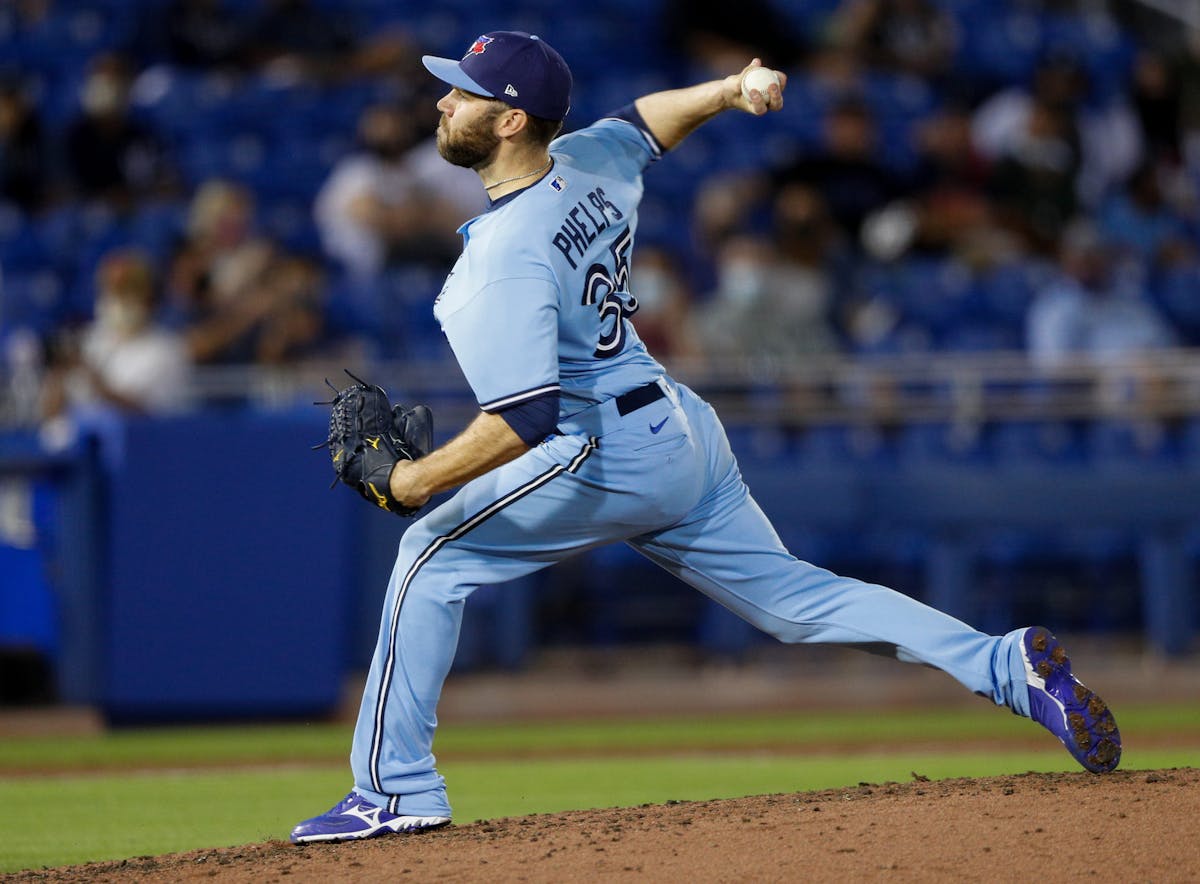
{"x": 538, "y": 300}
{"x": 537, "y": 304}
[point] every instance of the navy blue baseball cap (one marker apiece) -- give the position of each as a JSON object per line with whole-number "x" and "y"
{"x": 518, "y": 68}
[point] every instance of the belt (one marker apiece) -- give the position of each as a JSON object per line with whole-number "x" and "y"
{"x": 604, "y": 417}
{"x": 639, "y": 397}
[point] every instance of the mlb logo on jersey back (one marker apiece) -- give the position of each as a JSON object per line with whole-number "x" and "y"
{"x": 479, "y": 46}
{"x": 559, "y": 183}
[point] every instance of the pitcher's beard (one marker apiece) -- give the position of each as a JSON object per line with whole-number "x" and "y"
{"x": 470, "y": 148}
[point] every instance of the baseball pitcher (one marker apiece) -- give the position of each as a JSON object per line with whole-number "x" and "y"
{"x": 582, "y": 439}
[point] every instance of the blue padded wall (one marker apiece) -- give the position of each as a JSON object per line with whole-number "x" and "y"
{"x": 228, "y": 570}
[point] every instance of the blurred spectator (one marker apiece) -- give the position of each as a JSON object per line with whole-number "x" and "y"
{"x": 1186, "y": 69}
{"x": 1036, "y": 154}
{"x": 809, "y": 274}
{"x": 293, "y": 35}
{"x": 949, "y": 209}
{"x": 844, "y": 171}
{"x": 1088, "y": 313}
{"x": 912, "y": 37}
{"x": 204, "y": 34}
{"x": 835, "y": 70}
{"x": 847, "y": 171}
{"x": 297, "y": 40}
{"x": 722, "y": 38}
{"x": 723, "y": 205}
{"x": 771, "y": 300}
{"x": 235, "y": 296}
{"x": 112, "y": 157}
{"x": 22, "y": 150}
{"x": 744, "y": 265}
{"x": 871, "y": 324}
{"x": 663, "y": 319}
{"x": 293, "y": 327}
{"x": 1140, "y": 223}
{"x": 123, "y": 359}
{"x": 1056, "y": 134}
{"x": 1157, "y": 94}
{"x": 391, "y": 201}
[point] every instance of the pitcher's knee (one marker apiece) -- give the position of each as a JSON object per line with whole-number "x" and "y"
{"x": 426, "y": 572}
{"x": 415, "y": 543}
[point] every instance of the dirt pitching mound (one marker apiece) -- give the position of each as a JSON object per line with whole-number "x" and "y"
{"x": 1129, "y": 825}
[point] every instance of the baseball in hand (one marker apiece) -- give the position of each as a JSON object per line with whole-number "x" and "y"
{"x": 760, "y": 79}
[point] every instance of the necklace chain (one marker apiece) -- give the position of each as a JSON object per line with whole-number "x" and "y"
{"x": 519, "y": 177}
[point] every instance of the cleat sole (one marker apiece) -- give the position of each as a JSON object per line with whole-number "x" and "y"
{"x": 1067, "y": 708}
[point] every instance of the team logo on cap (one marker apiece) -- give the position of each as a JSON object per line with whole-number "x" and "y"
{"x": 478, "y": 46}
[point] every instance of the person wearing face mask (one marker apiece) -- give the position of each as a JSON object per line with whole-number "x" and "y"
{"x": 123, "y": 361}
{"x": 111, "y": 156}
{"x": 767, "y": 301}
{"x": 665, "y": 322}
{"x": 393, "y": 200}
{"x": 1089, "y": 312}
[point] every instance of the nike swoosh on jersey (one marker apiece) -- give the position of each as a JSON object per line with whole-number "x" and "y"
{"x": 654, "y": 428}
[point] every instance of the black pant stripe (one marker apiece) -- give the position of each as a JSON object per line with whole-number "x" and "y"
{"x": 385, "y": 680}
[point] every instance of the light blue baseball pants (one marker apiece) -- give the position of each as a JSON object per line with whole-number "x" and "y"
{"x": 676, "y": 496}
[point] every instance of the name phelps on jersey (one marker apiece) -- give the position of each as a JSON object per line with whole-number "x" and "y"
{"x": 581, "y": 226}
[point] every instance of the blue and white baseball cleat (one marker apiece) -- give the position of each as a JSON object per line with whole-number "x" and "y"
{"x": 1065, "y": 706}
{"x": 354, "y": 818}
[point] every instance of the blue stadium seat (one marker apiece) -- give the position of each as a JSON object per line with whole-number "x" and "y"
{"x": 290, "y": 223}
{"x": 59, "y": 229}
{"x": 998, "y": 44}
{"x": 350, "y": 306}
{"x": 1131, "y": 441}
{"x": 979, "y": 337}
{"x": 942, "y": 443}
{"x": 32, "y": 299}
{"x": 897, "y": 103}
{"x": 1031, "y": 442}
{"x": 1098, "y": 42}
{"x": 292, "y": 169}
{"x": 899, "y": 95}
{"x": 932, "y": 291}
{"x": 1189, "y": 442}
{"x": 66, "y": 38}
{"x": 99, "y": 231}
{"x": 1175, "y": 291}
{"x": 21, "y": 249}
{"x": 831, "y": 445}
{"x": 662, "y": 222}
{"x": 202, "y": 159}
{"x": 157, "y": 226}
{"x": 58, "y": 102}
{"x": 766, "y": 442}
{"x": 1006, "y": 291}
{"x": 393, "y": 312}
{"x": 187, "y": 106}
{"x": 434, "y": 28}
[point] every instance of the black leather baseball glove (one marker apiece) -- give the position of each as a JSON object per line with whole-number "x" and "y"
{"x": 367, "y": 435}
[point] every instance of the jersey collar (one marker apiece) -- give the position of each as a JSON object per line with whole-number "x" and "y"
{"x": 509, "y": 197}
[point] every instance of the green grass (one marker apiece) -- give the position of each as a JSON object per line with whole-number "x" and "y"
{"x": 92, "y": 810}
{"x": 277, "y": 744}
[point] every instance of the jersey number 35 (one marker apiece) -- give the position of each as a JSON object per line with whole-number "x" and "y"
{"x": 608, "y": 289}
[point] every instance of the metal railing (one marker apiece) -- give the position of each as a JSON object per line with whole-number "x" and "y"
{"x": 958, "y": 388}
{"x": 929, "y": 387}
